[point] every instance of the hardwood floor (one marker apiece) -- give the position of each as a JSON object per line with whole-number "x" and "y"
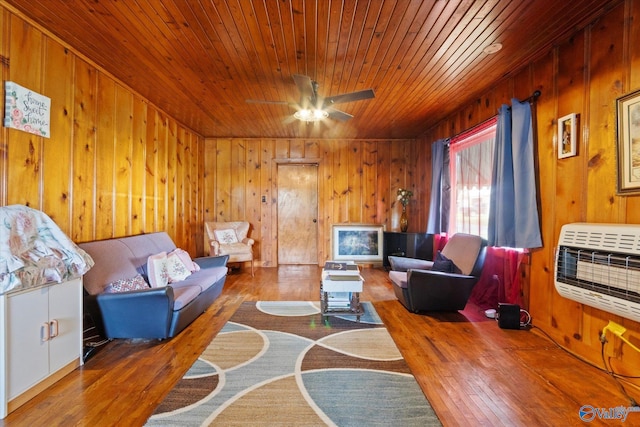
{"x": 472, "y": 372}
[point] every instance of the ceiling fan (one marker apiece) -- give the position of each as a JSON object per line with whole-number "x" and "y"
{"x": 313, "y": 107}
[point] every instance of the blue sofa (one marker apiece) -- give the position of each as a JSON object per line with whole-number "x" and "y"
{"x": 152, "y": 313}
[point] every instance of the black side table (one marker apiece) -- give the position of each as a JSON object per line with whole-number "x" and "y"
{"x": 411, "y": 245}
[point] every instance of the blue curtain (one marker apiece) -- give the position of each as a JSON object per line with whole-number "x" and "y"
{"x": 440, "y": 188}
{"x": 513, "y": 218}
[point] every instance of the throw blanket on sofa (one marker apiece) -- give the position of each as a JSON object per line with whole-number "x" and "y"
{"x": 34, "y": 251}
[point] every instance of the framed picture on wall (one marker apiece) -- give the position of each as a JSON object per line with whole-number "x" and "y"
{"x": 567, "y": 138}
{"x": 628, "y": 143}
{"x": 357, "y": 242}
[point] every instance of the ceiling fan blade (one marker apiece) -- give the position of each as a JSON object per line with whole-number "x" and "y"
{"x": 305, "y": 87}
{"x": 349, "y": 97}
{"x": 338, "y": 115}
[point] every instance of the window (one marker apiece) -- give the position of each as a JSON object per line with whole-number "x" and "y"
{"x": 471, "y": 168}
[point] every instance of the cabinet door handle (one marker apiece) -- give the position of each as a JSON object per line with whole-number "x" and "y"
{"x": 54, "y": 328}
{"x": 44, "y": 332}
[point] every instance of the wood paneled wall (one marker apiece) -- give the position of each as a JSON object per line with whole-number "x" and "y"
{"x": 583, "y": 75}
{"x": 114, "y": 165}
{"x": 358, "y": 184}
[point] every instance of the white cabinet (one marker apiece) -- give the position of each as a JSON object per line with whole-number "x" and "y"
{"x": 41, "y": 339}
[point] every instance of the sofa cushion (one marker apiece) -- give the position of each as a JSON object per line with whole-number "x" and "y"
{"x": 399, "y": 263}
{"x": 235, "y": 249}
{"x": 157, "y": 270}
{"x": 203, "y": 279}
{"x": 134, "y": 283}
{"x": 113, "y": 261}
{"x": 399, "y": 278}
{"x": 144, "y": 245}
{"x": 463, "y": 250}
{"x": 183, "y": 295}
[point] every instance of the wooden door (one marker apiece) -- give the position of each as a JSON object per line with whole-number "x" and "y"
{"x": 298, "y": 214}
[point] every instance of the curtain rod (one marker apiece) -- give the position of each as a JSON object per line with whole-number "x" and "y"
{"x": 533, "y": 97}
{"x": 477, "y": 128}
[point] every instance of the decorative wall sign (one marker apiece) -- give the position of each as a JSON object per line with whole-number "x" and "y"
{"x": 567, "y": 144}
{"x": 628, "y": 132}
{"x": 26, "y": 110}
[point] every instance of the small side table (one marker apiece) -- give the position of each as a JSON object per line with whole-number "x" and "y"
{"x": 347, "y": 290}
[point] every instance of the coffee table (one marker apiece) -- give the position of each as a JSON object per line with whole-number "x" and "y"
{"x": 340, "y": 295}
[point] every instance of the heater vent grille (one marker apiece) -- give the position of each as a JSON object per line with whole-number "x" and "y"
{"x": 599, "y": 265}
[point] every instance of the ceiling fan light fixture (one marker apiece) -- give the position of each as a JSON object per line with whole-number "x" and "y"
{"x": 307, "y": 115}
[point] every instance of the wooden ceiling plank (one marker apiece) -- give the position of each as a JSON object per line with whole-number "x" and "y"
{"x": 370, "y": 40}
{"x": 300, "y": 31}
{"x": 283, "y": 84}
{"x": 228, "y": 42}
{"x": 343, "y": 42}
{"x": 273, "y": 14}
{"x": 364, "y": 44}
{"x": 515, "y": 40}
{"x": 181, "y": 42}
{"x": 129, "y": 27}
{"x": 106, "y": 25}
{"x": 254, "y": 41}
{"x": 480, "y": 74}
{"x": 355, "y": 50}
{"x": 469, "y": 32}
{"x": 311, "y": 41}
{"x": 376, "y": 20}
{"x": 225, "y": 71}
{"x": 208, "y": 56}
{"x": 386, "y": 20}
{"x": 333, "y": 25}
{"x": 323, "y": 12}
{"x": 286, "y": 13}
{"x": 383, "y": 63}
{"x": 415, "y": 35}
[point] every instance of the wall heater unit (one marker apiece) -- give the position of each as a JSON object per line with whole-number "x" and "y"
{"x": 599, "y": 265}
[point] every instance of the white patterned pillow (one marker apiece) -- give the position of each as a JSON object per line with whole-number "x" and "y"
{"x": 157, "y": 270}
{"x": 176, "y": 270}
{"x": 186, "y": 259}
{"x": 226, "y": 236}
{"x": 125, "y": 285}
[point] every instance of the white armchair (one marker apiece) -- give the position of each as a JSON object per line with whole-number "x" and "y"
{"x": 229, "y": 238}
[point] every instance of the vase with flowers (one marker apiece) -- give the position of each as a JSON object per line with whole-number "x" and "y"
{"x": 404, "y": 196}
